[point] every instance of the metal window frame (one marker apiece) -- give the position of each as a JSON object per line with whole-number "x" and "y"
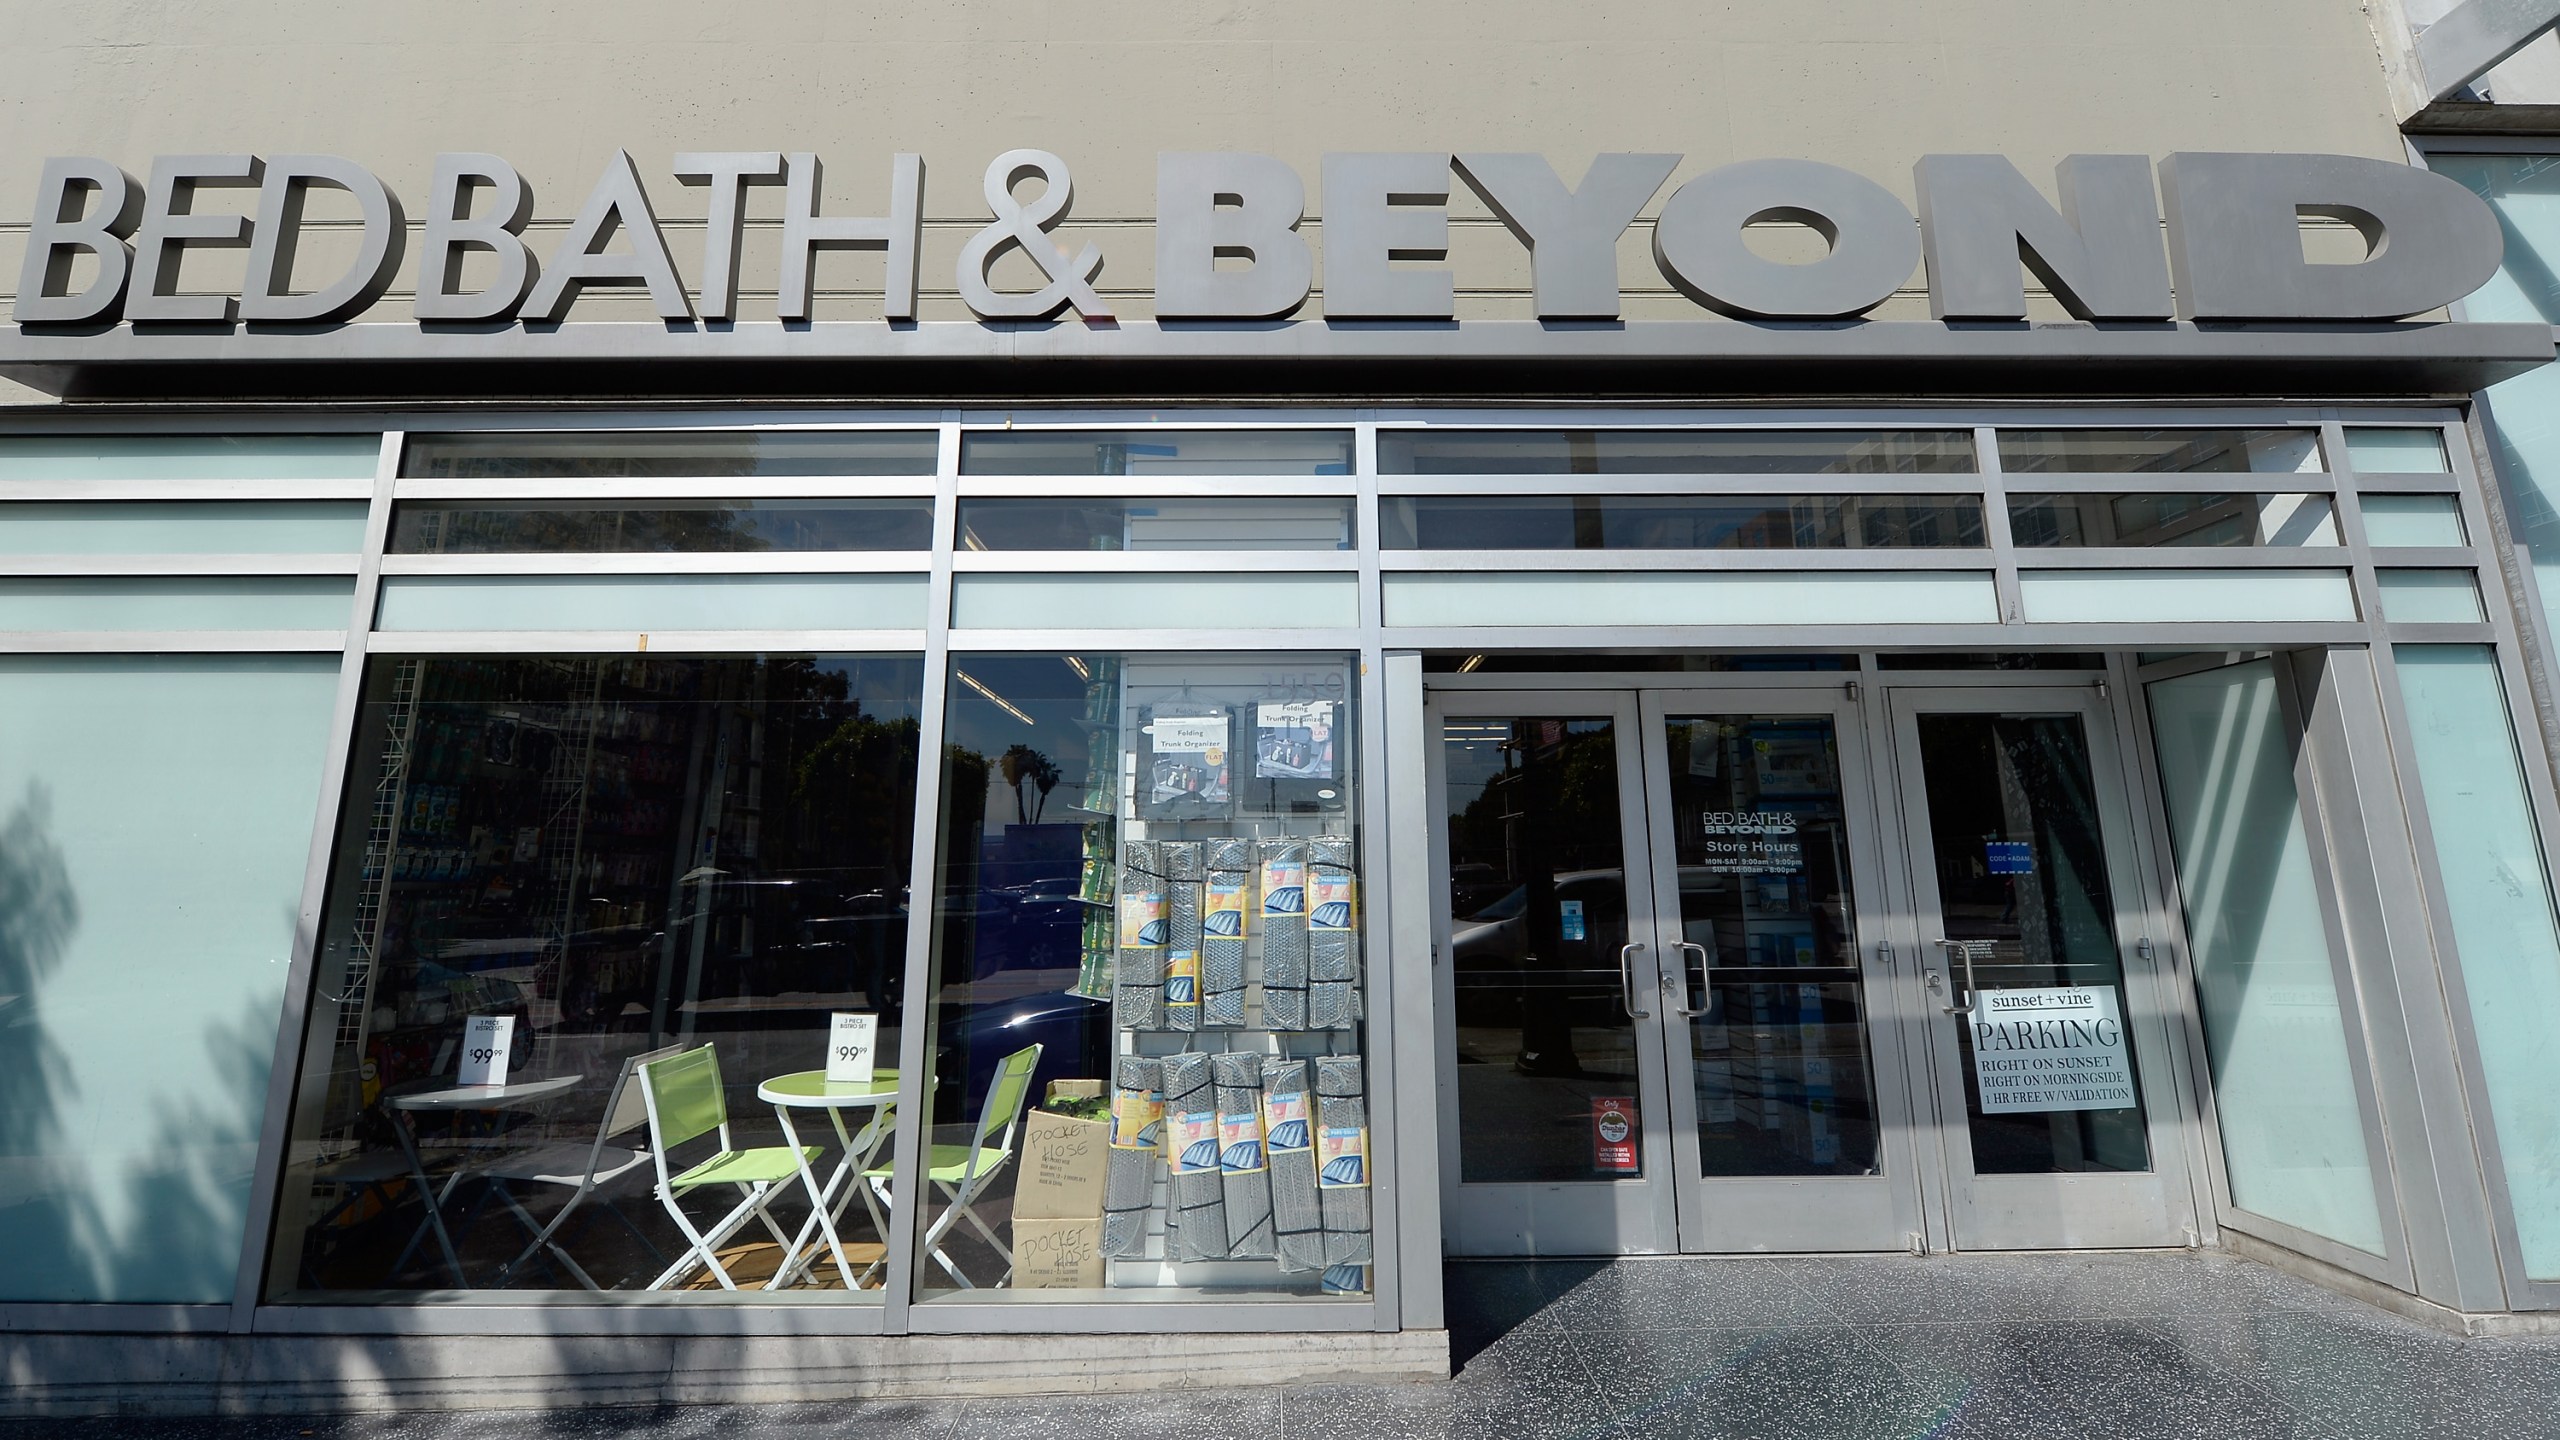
{"x": 1391, "y": 682}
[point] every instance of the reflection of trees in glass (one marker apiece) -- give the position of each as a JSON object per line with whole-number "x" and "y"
{"x": 1568, "y": 790}
{"x": 1024, "y": 765}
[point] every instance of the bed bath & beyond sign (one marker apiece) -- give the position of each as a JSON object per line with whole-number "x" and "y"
{"x": 105, "y": 247}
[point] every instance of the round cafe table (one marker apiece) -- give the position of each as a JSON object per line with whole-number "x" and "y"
{"x": 812, "y": 1090}
{"x": 435, "y": 1097}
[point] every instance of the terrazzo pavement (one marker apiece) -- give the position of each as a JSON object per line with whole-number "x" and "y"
{"x": 2090, "y": 1347}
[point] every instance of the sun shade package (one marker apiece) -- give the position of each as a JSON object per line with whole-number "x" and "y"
{"x": 1225, "y": 931}
{"x": 1333, "y": 936}
{"x": 1342, "y": 1159}
{"x": 1288, "y": 1124}
{"x": 1284, "y": 934}
{"x": 1137, "y": 1152}
{"x": 1138, "y": 991}
{"x": 1197, "y": 1225}
{"x": 1182, "y": 860}
{"x": 1243, "y": 1169}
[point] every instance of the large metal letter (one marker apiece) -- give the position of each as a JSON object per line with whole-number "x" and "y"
{"x": 1697, "y": 240}
{"x": 68, "y": 223}
{"x": 728, "y": 173}
{"x": 805, "y": 231}
{"x": 1572, "y": 235}
{"x": 268, "y": 295}
{"x": 169, "y": 226}
{"x": 2235, "y": 237}
{"x": 451, "y": 231}
{"x": 618, "y": 203}
{"x": 1379, "y": 208}
{"x": 1027, "y": 226}
{"x": 1219, "y": 204}
{"x": 2099, "y": 254}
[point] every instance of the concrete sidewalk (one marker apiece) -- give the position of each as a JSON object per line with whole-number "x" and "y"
{"x": 2087, "y": 1347}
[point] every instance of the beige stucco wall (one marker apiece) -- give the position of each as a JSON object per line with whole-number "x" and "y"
{"x": 1867, "y": 84}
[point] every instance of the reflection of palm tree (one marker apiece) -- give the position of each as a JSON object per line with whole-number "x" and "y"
{"x": 1024, "y": 763}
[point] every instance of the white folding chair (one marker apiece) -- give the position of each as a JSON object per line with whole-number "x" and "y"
{"x": 963, "y": 1172}
{"x": 582, "y": 1170}
{"x": 686, "y": 1103}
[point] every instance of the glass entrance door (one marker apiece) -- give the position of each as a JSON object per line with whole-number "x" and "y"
{"x": 1554, "y": 1137}
{"x": 1787, "y": 1126}
{"x": 2047, "y": 1055}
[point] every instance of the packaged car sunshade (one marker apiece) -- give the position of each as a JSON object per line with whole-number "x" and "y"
{"x": 1333, "y": 936}
{"x": 1129, "y": 1183}
{"x": 1342, "y": 1159}
{"x": 1182, "y": 941}
{"x": 1138, "y": 991}
{"x": 1284, "y": 934}
{"x": 1197, "y": 1198}
{"x": 1185, "y": 765}
{"x": 1288, "y": 1128}
{"x": 1243, "y": 1170}
{"x": 1225, "y": 911}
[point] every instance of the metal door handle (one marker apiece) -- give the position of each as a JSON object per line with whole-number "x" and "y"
{"x": 1675, "y": 987}
{"x": 1627, "y": 981}
{"x": 1964, "y": 951}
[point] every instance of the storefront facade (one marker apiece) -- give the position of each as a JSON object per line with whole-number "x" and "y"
{"x": 786, "y": 822}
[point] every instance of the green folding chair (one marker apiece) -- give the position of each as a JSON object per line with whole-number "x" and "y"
{"x": 686, "y": 1103}
{"x": 963, "y": 1172}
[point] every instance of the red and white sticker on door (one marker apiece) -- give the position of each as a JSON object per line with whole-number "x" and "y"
{"x": 1613, "y": 1135}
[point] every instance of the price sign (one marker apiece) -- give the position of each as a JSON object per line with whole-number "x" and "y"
{"x": 486, "y": 1039}
{"x": 853, "y": 1044}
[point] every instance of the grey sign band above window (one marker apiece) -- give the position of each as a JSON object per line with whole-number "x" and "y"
{"x": 1234, "y": 269}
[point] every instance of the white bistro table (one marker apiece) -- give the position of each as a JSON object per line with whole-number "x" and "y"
{"x": 812, "y": 1090}
{"x": 454, "y": 1099}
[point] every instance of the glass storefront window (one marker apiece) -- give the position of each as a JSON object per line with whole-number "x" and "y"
{"x": 550, "y": 869}
{"x": 1155, "y": 452}
{"x": 2429, "y": 597}
{"x": 1675, "y": 452}
{"x": 1678, "y": 522}
{"x": 2143, "y": 452}
{"x": 2148, "y": 520}
{"x": 189, "y": 457}
{"x": 182, "y": 527}
{"x": 1226, "y": 522}
{"x": 1147, "y": 1031}
{"x": 662, "y": 527}
{"x": 2396, "y": 450}
{"x": 682, "y": 454}
{"x": 2497, "y": 886}
{"x": 2293, "y": 1133}
{"x": 2392, "y": 521}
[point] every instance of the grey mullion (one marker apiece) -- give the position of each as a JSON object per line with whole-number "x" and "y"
{"x": 1791, "y": 485}
{"x": 1995, "y": 527}
{"x": 692, "y": 563}
{"x": 1433, "y": 562}
{"x": 1156, "y": 562}
{"x": 1103, "y": 489}
{"x": 636, "y": 642}
{"x": 2183, "y": 557}
{"x": 637, "y": 491}
{"x": 2224, "y": 482}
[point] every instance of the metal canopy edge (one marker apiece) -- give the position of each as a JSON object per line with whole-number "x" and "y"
{"x": 1701, "y": 357}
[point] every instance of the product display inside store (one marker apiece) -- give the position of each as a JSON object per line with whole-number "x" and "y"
{"x": 609, "y": 978}
{"x": 1152, "y": 862}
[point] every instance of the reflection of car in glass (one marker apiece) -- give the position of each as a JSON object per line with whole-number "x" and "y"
{"x": 1491, "y": 951}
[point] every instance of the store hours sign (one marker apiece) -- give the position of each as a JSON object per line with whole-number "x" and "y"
{"x": 2058, "y": 1048}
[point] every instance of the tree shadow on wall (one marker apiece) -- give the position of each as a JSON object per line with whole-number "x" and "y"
{"x": 38, "y": 913}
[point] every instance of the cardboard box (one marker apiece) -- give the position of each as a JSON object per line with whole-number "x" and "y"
{"x": 1064, "y": 1161}
{"x": 1057, "y": 1254}
{"x": 1075, "y": 1090}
